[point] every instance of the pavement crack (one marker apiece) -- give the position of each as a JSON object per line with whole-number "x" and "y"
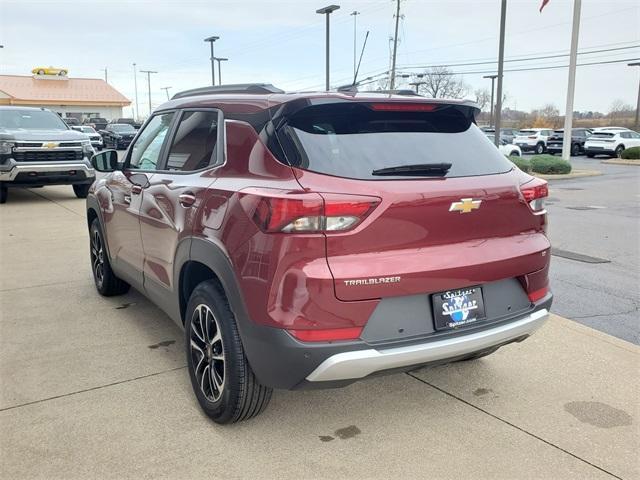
{"x": 99, "y": 387}
{"x": 58, "y": 204}
{"x": 606, "y": 314}
{"x": 506, "y": 422}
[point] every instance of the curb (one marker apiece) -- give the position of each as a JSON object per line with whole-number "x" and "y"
{"x": 621, "y": 162}
{"x": 569, "y": 176}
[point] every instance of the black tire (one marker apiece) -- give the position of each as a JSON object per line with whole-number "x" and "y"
{"x": 515, "y": 153}
{"x": 239, "y": 395}
{"x": 105, "y": 280}
{"x": 539, "y": 148}
{"x": 618, "y": 151}
{"x": 4, "y": 193}
{"x": 40, "y": 72}
{"x": 591, "y": 155}
{"x": 81, "y": 190}
{"x": 575, "y": 150}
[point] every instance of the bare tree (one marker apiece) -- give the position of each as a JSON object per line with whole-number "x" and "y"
{"x": 620, "y": 110}
{"x": 440, "y": 82}
{"x": 483, "y": 98}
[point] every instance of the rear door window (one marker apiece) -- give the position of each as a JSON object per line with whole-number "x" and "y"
{"x": 194, "y": 144}
{"x": 352, "y": 140}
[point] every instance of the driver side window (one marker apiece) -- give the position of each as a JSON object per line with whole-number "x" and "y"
{"x": 145, "y": 152}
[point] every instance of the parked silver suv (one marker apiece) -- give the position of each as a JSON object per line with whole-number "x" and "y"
{"x": 37, "y": 148}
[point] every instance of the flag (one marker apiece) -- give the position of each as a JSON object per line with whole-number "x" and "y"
{"x": 544, "y": 3}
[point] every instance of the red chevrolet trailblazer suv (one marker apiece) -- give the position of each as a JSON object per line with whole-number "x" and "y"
{"x": 308, "y": 240}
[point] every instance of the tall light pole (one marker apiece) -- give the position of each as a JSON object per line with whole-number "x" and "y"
{"x": 493, "y": 79}
{"x": 637, "y": 122}
{"x": 395, "y": 49}
{"x": 211, "y": 40}
{"x": 219, "y": 60}
{"x": 327, "y": 12}
{"x": 135, "y": 83}
{"x": 149, "y": 72}
{"x": 166, "y": 90}
{"x": 573, "y": 58}
{"x": 354, "y": 14}
{"x": 498, "y": 113}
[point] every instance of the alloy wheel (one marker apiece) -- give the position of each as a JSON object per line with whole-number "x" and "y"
{"x": 97, "y": 257}
{"x": 207, "y": 352}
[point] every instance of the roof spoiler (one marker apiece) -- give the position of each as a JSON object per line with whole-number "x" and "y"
{"x": 251, "y": 88}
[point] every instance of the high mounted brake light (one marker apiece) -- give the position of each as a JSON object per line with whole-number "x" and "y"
{"x": 534, "y": 194}
{"x": 404, "y": 107}
{"x": 280, "y": 211}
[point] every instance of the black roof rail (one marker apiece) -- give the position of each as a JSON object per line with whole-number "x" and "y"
{"x": 252, "y": 88}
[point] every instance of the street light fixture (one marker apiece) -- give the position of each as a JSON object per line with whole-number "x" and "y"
{"x": 211, "y": 40}
{"x": 493, "y": 78}
{"x": 327, "y": 12}
{"x": 220, "y": 59}
{"x": 637, "y": 122}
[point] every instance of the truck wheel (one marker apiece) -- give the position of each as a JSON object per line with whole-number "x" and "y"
{"x": 81, "y": 190}
{"x": 540, "y": 148}
{"x": 221, "y": 377}
{"x": 106, "y": 281}
{"x": 4, "y": 193}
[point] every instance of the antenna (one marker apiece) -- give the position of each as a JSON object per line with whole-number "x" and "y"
{"x": 355, "y": 77}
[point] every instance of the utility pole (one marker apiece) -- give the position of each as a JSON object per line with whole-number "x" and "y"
{"x": 327, "y": 12}
{"x": 135, "y": 83}
{"x": 166, "y": 90}
{"x": 493, "y": 78}
{"x": 637, "y": 122}
{"x": 498, "y": 113}
{"x": 149, "y": 72}
{"x": 395, "y": 49}
{"x": 354, "y": 14}
{"x": 211, "y": 40}
{"x": 106, "y": 77}
{"x": 220, "y": 59}
{"x": 417, "y": 85}
{"x": 573, "y": 57}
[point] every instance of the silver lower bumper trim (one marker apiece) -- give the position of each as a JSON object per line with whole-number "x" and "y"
{"x": 49, "y": 167}
{"x": 360, "y": 363}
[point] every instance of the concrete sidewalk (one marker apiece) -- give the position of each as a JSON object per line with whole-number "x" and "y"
{"x": 96, "y": 388}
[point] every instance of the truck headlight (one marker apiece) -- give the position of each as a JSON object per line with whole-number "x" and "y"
{"x": 87, "y": 149}
{"x": 6, "y": 147}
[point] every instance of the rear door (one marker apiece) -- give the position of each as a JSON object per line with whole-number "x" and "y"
{"x": 431, "y": 232}
{"x": 174, "y": 195}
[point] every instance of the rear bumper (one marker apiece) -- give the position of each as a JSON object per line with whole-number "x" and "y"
{"x": 280, "y": 361}
{"x": 49, "y": 172}
{"x": 600, "y": 150}
{"x": 361, "y": 363}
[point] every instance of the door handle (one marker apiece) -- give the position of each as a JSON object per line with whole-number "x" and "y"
{"x": 136, "y": 189}
{"x": 187, "y": 199}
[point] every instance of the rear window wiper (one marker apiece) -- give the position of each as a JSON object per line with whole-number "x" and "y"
{"x": 422, "y": 169}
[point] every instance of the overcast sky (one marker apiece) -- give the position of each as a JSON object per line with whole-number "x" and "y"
{"x": 282, "y": 42}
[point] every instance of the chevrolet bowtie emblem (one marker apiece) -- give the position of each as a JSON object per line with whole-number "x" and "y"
{"x": 50, "y": 145}
{"x": 465, "y": 205}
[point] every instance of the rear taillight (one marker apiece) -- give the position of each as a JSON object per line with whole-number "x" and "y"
{"x": 294, "y": 212}
{"x": 327, "y": 335}
{"x": 534, "y": 194}
{"x": 538, "y": 294}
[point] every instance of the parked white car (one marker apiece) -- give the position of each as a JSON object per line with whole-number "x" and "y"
{"x": 611, "y": 142}
{"x": 506, "y": 148}
{"x": 533, "y": 139}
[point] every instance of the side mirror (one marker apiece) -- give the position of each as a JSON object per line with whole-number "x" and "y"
{"x": 106, "y": 161}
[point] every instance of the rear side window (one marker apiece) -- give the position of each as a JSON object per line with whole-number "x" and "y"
{"x": 353, "y": 140}
{"x": 194, "y": 144}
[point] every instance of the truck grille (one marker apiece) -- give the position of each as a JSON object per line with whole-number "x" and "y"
{"x": 48, "y": 156}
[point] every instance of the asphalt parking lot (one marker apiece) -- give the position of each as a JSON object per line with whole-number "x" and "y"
{"x": 96, "y": 387}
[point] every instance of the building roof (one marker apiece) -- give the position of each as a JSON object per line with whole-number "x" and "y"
{"x": 28, "y": 90}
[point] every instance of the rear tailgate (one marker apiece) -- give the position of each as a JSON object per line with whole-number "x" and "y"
{"x": 468, "y": 226}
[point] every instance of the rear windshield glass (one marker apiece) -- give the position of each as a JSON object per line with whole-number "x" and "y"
{"x": 527, "y": 132}
{"x": 353, "y": 140}
{"x": 602, "y": 135}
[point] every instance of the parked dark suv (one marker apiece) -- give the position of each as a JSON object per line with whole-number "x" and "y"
{"x": 311, "y": 240}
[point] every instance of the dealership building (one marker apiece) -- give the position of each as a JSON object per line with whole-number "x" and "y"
{"x": 69, "y": 97}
